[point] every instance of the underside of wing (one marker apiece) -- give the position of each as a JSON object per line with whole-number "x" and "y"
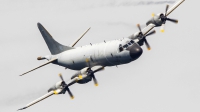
{"x": 51, "y": 61}
{"x": 38, "y": 100}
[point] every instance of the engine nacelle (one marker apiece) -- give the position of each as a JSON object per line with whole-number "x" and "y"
{"x": 58, "y": 85}
{"x": 156, "y": 20}
{"x": 134, "y": 36}
{"x": 83, "y": 72}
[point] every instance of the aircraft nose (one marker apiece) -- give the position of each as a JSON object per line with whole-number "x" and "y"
{"x": 135, "y": 51}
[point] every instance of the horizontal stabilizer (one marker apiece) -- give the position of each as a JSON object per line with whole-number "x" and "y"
{"x": 53, "y": 60}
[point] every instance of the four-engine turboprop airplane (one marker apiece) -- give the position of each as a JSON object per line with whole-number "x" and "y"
{"x": 92, "y": 58}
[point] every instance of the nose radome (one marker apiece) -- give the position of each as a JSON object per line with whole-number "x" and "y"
{"x": 135, "y": 51}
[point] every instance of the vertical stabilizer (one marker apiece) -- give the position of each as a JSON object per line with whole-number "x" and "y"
{"x": 54, "y": 46}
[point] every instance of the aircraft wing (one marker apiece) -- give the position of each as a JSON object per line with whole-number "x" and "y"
{"x": 147, "y": 29}
{"x": 52, "y": 60}
{"x": 58, "y": 91}
{"x": 74, "y": 43}
{"x": 174, "y": 7}
{"x": 97, "y": 68}
{"x": 72, "y": 81}
{"x": 38, "y": 100}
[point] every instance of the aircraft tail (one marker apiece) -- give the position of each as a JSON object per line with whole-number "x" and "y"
{"x": 54, "y": 46}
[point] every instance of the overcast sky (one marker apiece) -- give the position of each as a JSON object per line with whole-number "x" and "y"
{"x": 165, "y": 79}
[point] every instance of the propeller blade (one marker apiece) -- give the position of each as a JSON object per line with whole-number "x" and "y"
{"x": 167, "y": 7}
{"x": 172, "y": 20}
{"x": 162, "y": 28}
{"x": 147, "y": 44}
{"x": 95, "y": 80}
{"x": 152, "y": 14}
{"x": 152, "y": 32}
{"x": 138, "y": 25}
{"x": 60, "y": 75}
{"x": 70, "y": 93}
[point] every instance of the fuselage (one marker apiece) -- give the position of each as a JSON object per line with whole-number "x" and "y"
{"x": 110, "y": 53}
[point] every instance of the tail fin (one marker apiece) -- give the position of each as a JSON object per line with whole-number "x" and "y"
{"x": 54, "y": 46}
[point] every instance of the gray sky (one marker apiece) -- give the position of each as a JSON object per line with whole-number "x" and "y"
{"x": 165, "y": 79}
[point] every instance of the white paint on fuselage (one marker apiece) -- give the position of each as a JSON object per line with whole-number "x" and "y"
{"x": 104, "y": 54}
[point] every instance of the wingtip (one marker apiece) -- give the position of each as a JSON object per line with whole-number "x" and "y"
{"x": 22, "y": 74}
{"x": 22, "y": 108}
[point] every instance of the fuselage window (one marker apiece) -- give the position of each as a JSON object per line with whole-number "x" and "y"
{"x": 125, "y": 46}
{"x": 132, "y": 41}
{"x": 129, "y": 43}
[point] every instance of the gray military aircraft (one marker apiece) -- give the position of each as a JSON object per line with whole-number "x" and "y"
{"x": 93, "y": 58}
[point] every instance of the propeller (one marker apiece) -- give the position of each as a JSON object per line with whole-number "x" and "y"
{"x": 65, "y": 87}
{"x": 164, "y": 18}
{"x": 61, "y": 77}
{"x": 91, "y": 73}
{"x": 93, "y": 76}
{"x": 142, "y": 37}
{"x": 95, "y": 80}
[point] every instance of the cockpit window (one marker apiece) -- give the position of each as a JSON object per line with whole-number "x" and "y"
{"x": 128, "y": 43}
